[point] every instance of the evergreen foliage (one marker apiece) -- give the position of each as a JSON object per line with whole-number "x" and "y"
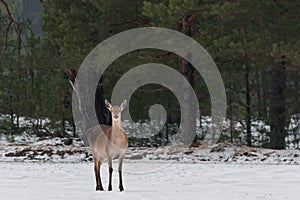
{"x": 255, "y": 45}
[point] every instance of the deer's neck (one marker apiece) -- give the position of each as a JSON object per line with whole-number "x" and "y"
{"x": 116, "y": 127}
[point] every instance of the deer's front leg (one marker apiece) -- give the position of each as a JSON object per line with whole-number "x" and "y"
{"x": 110, "y": 170}
{"x": 97, "y": 165}
{"x": 120, "y": 173}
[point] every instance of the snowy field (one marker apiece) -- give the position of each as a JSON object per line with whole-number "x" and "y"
{"x": 145, "y": 180}
{"x": 48, "y": 168}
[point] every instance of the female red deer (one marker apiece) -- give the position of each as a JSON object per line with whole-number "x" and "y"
{"x": 108, "y": 142}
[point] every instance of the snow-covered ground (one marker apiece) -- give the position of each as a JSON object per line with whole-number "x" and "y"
{"x": 31, "y": 148}
{"x": 48, "y": 168}
{"x": 55, "y": 150}
{"x": 174, "y": 181}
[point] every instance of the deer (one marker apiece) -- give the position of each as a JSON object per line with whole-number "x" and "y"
{"x": 108, "y": 142}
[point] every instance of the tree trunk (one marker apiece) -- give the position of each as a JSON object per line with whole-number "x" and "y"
{"x": 266, "y": 93}
{"x": 87, "y": 121}
{"x": 230, "y": 110}
{"x": 297, "y": 95}
{"x": 248, "y": 106}
{"x": 62, "y": 134}
{"x": 259, "y": 95}
{"x": 188, "y": 72}
{"x": 11, "y": 108}
{"x": 278, "y": 109}
{"x": 99, "y": 104}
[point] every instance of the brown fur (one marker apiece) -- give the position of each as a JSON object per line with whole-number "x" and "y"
{"x": 108, "y": 142}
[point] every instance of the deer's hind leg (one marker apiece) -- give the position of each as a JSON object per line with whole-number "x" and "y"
{"x": 97, "y": 165}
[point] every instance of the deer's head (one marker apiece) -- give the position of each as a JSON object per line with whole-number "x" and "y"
{"x": 115, "y": 110}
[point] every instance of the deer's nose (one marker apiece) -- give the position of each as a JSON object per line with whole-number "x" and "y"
{"x": 116, "y": 116}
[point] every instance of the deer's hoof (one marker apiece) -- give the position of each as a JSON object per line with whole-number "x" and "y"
{"x": 99, "y": 189}
{"x": 109, "y": 188}
{"x": 121, "y": 188}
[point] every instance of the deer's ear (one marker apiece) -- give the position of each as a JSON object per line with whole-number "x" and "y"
{"x": 123, "y": 104}
{"x": 108, "y": 105}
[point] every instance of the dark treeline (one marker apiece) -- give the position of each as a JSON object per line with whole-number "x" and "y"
{"x": 255, "y": 45}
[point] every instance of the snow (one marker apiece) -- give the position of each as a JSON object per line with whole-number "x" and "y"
{"x": 150, "y": 180}
{"x": 43, "y": 168}
{"x": 259, "y": 129}
{"x": 54, "y": 150}
{"x": 46, "y": 168}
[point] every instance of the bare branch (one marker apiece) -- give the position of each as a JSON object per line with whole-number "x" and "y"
{"x": 167, "y": 54}
{"x": 11, "y": 21}
{"x": 193, "y": 16}
{"x": 199, "y": 33}
{"x": 7, "y": 10}
{"x": 135, "y": 21}
{"x": 72, "y": 75}
{"x": 5, "y": 38}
